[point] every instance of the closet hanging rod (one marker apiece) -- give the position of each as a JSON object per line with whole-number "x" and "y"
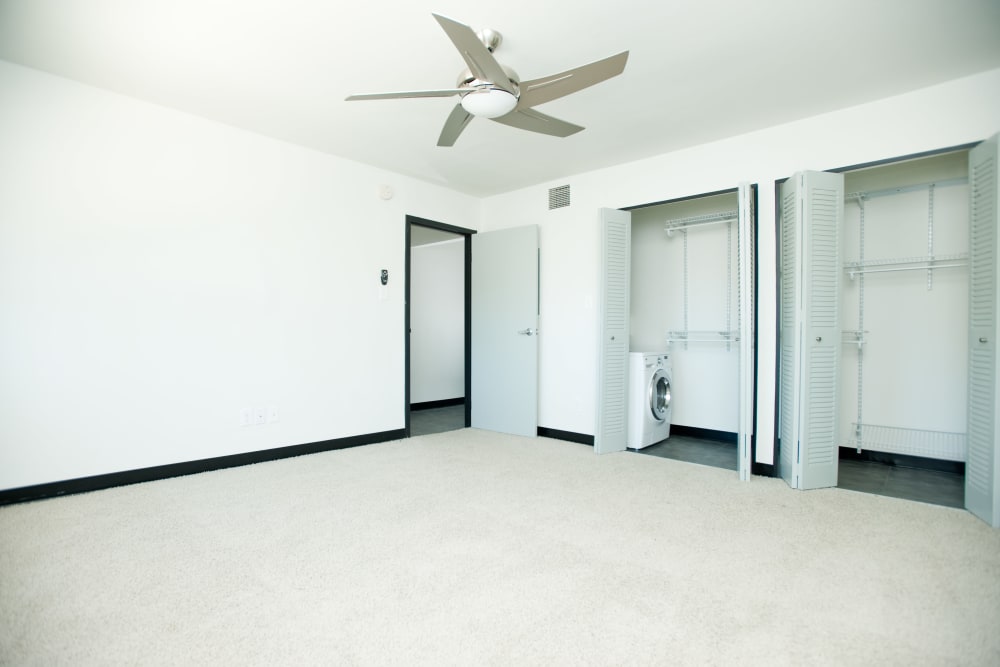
{"x": 871, "y": 194}
{"x": 854, "y": 272}
{"x": 906, "y": 264}
{"x": 703, "y": 336}
{"x": 697, "y": 220}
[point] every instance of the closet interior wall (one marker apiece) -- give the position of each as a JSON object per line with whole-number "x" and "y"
{"x": 687, "y": 281}
{"x": 904, "y": 308}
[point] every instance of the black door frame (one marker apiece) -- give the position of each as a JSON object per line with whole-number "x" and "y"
{"x": 467, "y": 233}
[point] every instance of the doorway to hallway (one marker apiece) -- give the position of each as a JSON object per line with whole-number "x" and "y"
{"x": 437, "y": 327}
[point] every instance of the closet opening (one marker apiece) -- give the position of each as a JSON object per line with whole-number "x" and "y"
{"x": 873, "y": 315}
{"x": 904, "y": 318}
{"x": 685, "y": 318}
{"x": 438, "y": 331}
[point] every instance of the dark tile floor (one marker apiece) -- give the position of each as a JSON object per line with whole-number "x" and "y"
{"x": 437, "y": 420}
{"x": 695, "y": 450}
{"x": 927, "y": 486}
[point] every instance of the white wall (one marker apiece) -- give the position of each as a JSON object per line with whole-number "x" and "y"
{"x": 958, "y": 112}
{"x": 705, "y": 387}
{"x": 160, "y": 272}
{"x": 437, "y": 321}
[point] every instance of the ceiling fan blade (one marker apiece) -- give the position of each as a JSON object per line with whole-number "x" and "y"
{"x": 529, "y": 119}
{"x": 479, "y": 59}
{"x": 411, "y": 93}
{"x": 546, "y": 89}
{"x": 453, "y": 127}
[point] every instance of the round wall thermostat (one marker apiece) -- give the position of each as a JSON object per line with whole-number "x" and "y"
{"x": 385, "y": 192}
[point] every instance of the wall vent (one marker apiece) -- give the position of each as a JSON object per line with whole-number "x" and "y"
{"x": 559, "y": 197}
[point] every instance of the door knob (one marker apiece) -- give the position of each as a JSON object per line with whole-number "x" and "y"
{"x": 819, "y": 339}
{"x": 528, "y": 332}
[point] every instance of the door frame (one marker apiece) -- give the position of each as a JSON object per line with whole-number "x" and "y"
{"x": 467, "y": 279}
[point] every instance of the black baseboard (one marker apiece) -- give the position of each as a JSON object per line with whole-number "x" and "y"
{"x": 444, "y": 403}
{"x": 566, "y": 435}
{"x": 704, "y": 434}
{"x": 902, "y": 460}
{"x": 109, "y": 480}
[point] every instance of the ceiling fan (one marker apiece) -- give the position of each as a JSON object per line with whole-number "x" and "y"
{"x": 491, "y": 90}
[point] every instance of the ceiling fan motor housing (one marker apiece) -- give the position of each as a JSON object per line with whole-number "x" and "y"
{"x": 466, "y": 79}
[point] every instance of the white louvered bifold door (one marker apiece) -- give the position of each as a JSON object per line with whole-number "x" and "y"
{"x": 747, "y": 263}
{"x": 982, "y": 466}
{"x": 789, "y": 335}
{"x": 823, "y": 217}
{"x": 612, "y": 383}
{"x": 812, "y": 211}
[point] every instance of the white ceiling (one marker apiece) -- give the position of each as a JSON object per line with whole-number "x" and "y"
{"x": 699, "y": 70}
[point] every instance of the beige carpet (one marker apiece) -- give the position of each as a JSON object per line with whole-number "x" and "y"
{"x": 474, "y": 548}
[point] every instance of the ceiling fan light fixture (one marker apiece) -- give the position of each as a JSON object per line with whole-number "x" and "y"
{"x": 491, "y": 103}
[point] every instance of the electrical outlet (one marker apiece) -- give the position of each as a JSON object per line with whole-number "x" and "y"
{"x": 259, "y": 416}
{"x": 246, "y": 417}
{"x": 272, "y": 414}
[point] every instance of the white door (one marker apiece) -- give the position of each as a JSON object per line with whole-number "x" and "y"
{"x": 505, "y": 330}
{"x": 812, "y": 211}
{"x": 747, "y": 256}
{"x": 982, "y": 466}
{"x": 610, "y": 430}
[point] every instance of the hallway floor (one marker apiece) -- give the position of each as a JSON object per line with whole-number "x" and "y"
{"x": 437, "y": 420}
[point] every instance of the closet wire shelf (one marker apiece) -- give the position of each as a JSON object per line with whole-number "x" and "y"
{"x": 912, "y": 441}
{"x": 679, "y": 224}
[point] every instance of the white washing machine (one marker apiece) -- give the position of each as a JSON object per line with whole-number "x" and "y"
{"x": 648, "y": 399}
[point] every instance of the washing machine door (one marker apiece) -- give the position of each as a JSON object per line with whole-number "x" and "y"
{"x": 659, "y": 395}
